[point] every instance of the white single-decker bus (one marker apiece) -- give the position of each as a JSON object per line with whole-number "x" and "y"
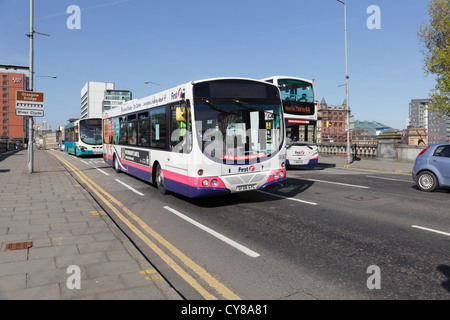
{"x": 207, "y": 137}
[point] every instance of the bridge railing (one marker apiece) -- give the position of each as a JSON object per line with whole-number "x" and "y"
{"x": 340, "y": 149}
{"x": 10, "y": 144}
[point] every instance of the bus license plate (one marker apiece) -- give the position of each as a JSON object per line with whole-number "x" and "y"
{"x": 246, "y": 187}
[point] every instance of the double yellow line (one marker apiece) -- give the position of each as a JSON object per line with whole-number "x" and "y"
{"x": 115, "y": 205}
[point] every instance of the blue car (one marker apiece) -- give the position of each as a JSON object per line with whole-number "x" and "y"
{"x": 432, "y": 167}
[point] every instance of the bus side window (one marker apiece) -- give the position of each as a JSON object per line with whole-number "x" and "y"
{"x": 158, "y": 128}
{"x": 123, "y": 139}
{"x": 132, "y": 130}
{"x": 143, "y": 130}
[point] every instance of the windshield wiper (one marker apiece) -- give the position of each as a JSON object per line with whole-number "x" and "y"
{"x": 245, "y": 105}
{"x": 213, "y": 106}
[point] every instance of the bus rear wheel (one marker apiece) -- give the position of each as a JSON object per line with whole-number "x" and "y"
{"x": 159, "y": 179}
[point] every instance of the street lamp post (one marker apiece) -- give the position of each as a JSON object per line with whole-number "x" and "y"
{"x": 346, "y": 84}
{"x": 149, "y": 82}
{"x": 35, "y": 81}
{"x": 31, "y": 88}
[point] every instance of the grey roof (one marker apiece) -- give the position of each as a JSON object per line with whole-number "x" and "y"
{"x": 371, "y": 126}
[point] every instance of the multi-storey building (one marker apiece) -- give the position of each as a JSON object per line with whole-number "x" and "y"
{"x": 12, "y": 79}
{"x": 97, "y": 97}
{"x": 115, "y": 98}
{"x": 437, "y": 129}
{"x": 331, "y": 124}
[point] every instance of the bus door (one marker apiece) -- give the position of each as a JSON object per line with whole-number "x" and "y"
{"x": 180, "y": 145}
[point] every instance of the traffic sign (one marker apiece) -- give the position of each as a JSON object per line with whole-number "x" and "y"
{"x": 29, "y": 113}
{"x": 29, "y": 103}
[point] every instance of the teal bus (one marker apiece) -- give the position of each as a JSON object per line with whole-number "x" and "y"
{"x": 84, "y": 137}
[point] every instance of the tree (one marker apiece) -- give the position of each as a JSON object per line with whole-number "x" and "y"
{"x": 435, "y": 37}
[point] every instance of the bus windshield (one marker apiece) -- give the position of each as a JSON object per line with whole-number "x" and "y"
{"x": 238, "y": 131}
{"x": 300, "y": 133}
{"x": 91, "y": 132}
{"x": 238, "y": 120}
{"x": 296, "y": 90}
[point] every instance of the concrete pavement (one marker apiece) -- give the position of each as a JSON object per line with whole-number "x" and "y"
{"x": 54, "y": 236}
{"x": 56, "y": 243}
{"x": 366, "y": 164}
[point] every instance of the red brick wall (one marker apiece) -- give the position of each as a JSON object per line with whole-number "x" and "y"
{"x": 9, "y": 84}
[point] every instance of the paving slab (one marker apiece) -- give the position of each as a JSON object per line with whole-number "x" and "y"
{"x": 50, "y": 209}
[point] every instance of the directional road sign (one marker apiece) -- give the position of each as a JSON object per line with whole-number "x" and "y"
{"x": 29, "y": 103}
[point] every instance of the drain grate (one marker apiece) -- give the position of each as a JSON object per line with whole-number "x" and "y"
{"x": 19, "y": 246}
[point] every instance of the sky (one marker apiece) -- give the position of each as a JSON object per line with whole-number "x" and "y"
{"x": 172, "y": 42}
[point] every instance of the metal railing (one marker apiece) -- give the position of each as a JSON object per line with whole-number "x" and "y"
{"x": 8, "y": 144}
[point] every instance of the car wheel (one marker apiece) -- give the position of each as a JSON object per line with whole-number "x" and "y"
{"x": 160, "y": 180}
{"x": 427, "y": 181}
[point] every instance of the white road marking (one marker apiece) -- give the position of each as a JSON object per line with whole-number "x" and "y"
{"x": 219, "y": 236}
{"x": 131, "y": 188}
{"x": 340, "y": 184}
{"x": 432, "y": 230}
{"x": 390, "y": 179}
{"x": 106, "y": 174}
{"x": 288, "y": 198}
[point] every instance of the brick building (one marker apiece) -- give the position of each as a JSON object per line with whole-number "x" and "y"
{"x": 12, "y": 79}
{"x": 331, "y": 124}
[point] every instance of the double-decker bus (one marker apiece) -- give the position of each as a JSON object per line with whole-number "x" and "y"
{"x": 84, "y": 137}
{"x": 300, "y": 112}
{"x": 208, "y": 137}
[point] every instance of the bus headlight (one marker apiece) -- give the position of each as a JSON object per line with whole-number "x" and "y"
{"x": 214, "y": 183}
{"x": 205, "y": 183}
{"x": 275, "y": 175}
{"x": 281, "y": 174}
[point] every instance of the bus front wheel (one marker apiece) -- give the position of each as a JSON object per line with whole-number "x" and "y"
{"x": 160, "y": 180}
